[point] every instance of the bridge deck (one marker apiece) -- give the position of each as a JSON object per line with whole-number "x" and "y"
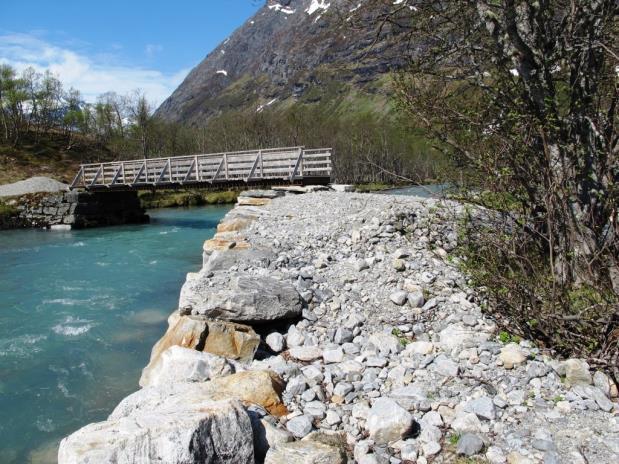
{"x": 277, "y": 165}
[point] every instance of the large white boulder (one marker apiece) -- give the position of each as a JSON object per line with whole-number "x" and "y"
{"x": 179, "y": 364}
{"x": 203, "y": 431}
{"x": 241, "y": 298}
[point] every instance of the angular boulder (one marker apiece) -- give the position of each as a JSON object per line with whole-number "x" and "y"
{"x": 225, "y": 339}
{"x": 388, "y": 421}
{"x": 179, "y": 364}
{"x": 242, "y": 298}
{"x": 263, "y": 388}
{"x": 198, "y": 432}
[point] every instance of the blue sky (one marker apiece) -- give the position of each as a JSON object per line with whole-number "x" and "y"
{"x": 101, "y": 45}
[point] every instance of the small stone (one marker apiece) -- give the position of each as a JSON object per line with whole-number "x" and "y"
{"x": 516, "y": 458}
{"x": 432, "y": 418}
{"x": 333, "y": 356}
{"x": 294, "y": 337}
{"x": 399, "y": 265}
{"x": 376, "y": 361}
{"x": 469, "y": 444}
{"x": 296, "y": 385}
{"x": 342, "y": 389}
{"x": 387, "y": 421}
{"x": 595, "y": 394}
{"x": 398, "y": 297}
{"x": 420, "y": 347}
{"x": 483, "y": 407}
{"x": 360, "y": 410}
{"x": 495, "y": 455}
{"x": 400, "y": 253}
{"x": 308, "y": 395}
{"x": 577, "y": 372}
{"x": 409, "y": 453}
{"x": 343, "y": 335}
{"x": 361, "y": 265}
{"x": 305, "y": 353}
{"x": 512, "y": 355}
{"x": 432, "y": 448}
{"x": 275, "y": 341}
{"x": 416, "y": 299}
{"x": 466, "y": 422}
{"x": 299, "y": 426}
{"x": 315, "y": 409}
{"x": 333, "y": 418}
{"x": 445, "y": 366}
{"x": 602, "y": 381}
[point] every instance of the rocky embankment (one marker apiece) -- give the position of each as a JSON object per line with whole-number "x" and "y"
{"x": 336, "y": 327}
{"x": 73, "y": 210}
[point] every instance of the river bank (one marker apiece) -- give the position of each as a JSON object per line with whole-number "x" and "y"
{"x": 356, "y": 337}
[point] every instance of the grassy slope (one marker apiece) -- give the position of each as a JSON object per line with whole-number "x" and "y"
{"x": 50, "y": 157}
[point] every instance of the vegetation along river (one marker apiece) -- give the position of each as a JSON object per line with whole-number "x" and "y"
{"x": 79, "y": 314}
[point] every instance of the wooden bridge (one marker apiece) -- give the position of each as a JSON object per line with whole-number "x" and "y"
{"x": 273, "y": 166}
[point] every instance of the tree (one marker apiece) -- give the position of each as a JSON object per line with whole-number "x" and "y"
{"x": 524, "y": 95}
{"x": 141, "y": 116}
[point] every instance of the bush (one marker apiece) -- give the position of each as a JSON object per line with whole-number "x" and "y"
{"x": 175, "y": 198}
{"x": 574, "y": 319}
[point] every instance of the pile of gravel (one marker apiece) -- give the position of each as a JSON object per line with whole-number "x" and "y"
{"x": 32, "y": 185}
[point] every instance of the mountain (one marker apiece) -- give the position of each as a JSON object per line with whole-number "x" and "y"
{"x": 290, "y": 51}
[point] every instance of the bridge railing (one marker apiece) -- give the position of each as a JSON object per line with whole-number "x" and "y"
{"x": 291, "y": 163}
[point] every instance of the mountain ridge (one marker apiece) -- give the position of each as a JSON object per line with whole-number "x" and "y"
{"x": 290, "y": 50}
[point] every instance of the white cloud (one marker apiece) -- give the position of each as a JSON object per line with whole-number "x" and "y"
{"x": 91, "y": 76}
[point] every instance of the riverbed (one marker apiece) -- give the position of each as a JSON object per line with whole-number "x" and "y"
{"x": 79, "y": 314}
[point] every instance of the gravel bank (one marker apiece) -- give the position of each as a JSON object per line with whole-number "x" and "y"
{"x": 392, "y": 359}
{"x": 32, "y": 185}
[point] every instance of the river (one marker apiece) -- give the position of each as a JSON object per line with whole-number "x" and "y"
{"x": 79, "y": 314}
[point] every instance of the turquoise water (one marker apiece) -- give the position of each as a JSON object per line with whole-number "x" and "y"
{"x": 79, "y": 314}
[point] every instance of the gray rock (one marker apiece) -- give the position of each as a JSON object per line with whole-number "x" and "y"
{"x": 361, "y": 265}
{"x": 483, "y": 407}
{"x": 242, "y": 298}
{"x": 316, "y": 448}
{"x": 305, "y": 353}
{"x": 399, "y": 265}
{"x": 275, "y": 341}
{"x": 399, "y": 297}
{"x": 300, "y": 426}
{"x": 343, "y": 335}
{"x": 266, "y": 435}
{"x": 387, "y": 421}
{"x": 445, "y": 366}
{"x": 333, "y": 356}
{"x": 342, "y": 389}
{"x": 601, "y": 381}
{"x": 294, "y": 337}
{"x": 469, "y": 444}
{"x": 196, "y": 432}
{"x": 577, "y": 372}
{"x": 595, "y": 394}
{"x": 416, "y": 299}
{"x": 179, "y": 364}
